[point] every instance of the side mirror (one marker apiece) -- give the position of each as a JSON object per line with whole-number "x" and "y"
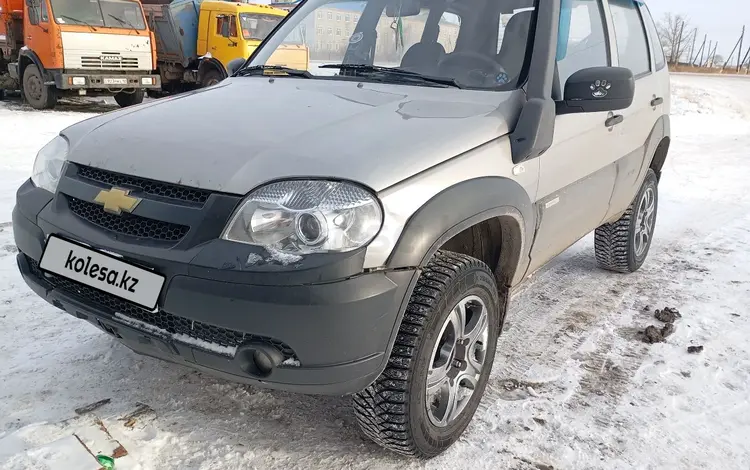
{"x": 234, "y": 65}
{"x": 598, "y": 89}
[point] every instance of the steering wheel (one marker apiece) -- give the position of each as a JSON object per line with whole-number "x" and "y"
{"x": 473, "y": 69}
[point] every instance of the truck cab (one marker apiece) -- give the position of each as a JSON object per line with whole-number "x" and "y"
{"x": 196, "y": 39}
{"x": 53, "y": 48}
{"x": 230, "y": 30}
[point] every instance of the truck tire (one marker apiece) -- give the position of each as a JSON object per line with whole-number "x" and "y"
{"x": 125, "y": 99}
{"x": 211, "y": 78}
{"x": 36, "y": 93}
{"x": 440, "y": 363}
{"x": 623, "y": 246}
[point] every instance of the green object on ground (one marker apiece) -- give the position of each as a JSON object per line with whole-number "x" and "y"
{"x": 107, "y": 462}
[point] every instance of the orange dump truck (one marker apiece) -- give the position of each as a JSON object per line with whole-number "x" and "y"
{"x": 55, "y": 48}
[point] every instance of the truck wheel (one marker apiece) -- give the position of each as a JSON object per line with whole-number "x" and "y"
{"x": 623, "y": 246}
{"x": 440, "y": 363}
{"x": 211, "y": 78}
{"x": 125, "y": 99}
{"x": 38, "y": 95}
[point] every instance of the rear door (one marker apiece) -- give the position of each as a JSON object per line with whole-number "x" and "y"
{"x": 577, "y": 172}
{"x": 634, "y": 52}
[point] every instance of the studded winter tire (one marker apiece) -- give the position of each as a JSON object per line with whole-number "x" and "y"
{"x": 623, "y": 245}
{"x": 440, "y": 363}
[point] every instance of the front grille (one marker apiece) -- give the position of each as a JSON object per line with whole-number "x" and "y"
{"x": 154, "y": 188}
{"x": 162, "y": 320}
{"x": 127, "y": 63}
{"x": 128, "y": 224}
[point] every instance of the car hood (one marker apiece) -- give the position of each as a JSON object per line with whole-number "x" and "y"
{"x": 247, "y": 131}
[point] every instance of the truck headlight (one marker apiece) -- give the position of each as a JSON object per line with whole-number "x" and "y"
{"x": 307, "y": 216}
{"x": 49, "y": 163}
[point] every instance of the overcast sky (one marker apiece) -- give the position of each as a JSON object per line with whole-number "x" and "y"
{"x": 722, "y": 20}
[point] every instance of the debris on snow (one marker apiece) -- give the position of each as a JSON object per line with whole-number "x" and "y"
{"x": 695, "y": 349}
{"x": 139, "y": 412}
{"x": 653, "y": 334}
{"x": 92, "y": 406}
{"x": 667, "y": 315}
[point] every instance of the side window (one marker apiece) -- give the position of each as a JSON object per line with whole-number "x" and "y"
{"x": 632, "y": 47}
{"x": 583, "y": 39}
{"x": 233, "y": 26}
{"x": 656, "y": 47}
{"x": 45, "y": 15}
{"x": 226, "y": 26}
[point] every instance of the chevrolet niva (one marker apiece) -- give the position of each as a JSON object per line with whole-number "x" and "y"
{"x": 357, "y": 228}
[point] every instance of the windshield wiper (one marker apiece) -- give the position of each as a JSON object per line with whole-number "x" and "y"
{"x": 274, "y": 68}
{"x": 400, "y": 73}
{"x": 126, "y": 23}
{"x": 78, "y": 21}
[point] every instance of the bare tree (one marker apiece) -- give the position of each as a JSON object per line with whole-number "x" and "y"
{"x": 674, "y": 34}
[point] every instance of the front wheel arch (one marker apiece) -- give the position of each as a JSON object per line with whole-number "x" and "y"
{"x": 211, "y": 65}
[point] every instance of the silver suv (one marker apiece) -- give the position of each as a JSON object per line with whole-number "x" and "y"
{"x": 357, "y": 228}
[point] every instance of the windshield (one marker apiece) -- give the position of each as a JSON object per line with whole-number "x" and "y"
{"x": 473, "y": 43}
{"x": 99, "y": 13}
{"x": 255, "y": 26}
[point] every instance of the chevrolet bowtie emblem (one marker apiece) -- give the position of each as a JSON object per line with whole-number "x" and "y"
{"x": 117, "y": 200}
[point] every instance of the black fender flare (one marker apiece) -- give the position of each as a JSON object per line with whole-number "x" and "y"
{"x": 209, "y": 63}
{"x": 457, "y": 208}
{"x": 658, "y": 144}
{"x": 31, "y": 56}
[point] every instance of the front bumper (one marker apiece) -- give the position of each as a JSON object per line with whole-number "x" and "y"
{"x": 70, "y": 80}
{"x": 335, "y": 335}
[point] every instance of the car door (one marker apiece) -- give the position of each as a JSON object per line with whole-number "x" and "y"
{"x": 224, "y": 46}
{"x": 577, "y": 175}
{"x": 634, "y": 51}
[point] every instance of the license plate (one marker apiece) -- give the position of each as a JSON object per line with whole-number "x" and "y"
{"x": 115, "y": 81}
{"x": 101, "y": 271}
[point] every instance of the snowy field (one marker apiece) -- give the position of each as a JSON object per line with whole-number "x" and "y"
{"x": 573, "y": 386}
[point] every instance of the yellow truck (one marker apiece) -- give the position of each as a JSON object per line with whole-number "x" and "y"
{"x": 196, "y": 39}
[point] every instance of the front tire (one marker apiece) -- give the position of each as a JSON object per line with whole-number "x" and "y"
{"x": 623, "y": 246}
{"x": 211, "y": 78}
{"x": 37, "y": 94}
{"x": 125, "y": 99}
{"x": 440, "y": 363}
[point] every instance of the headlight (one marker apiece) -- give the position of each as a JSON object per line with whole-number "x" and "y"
{"x": 49, "y": 163}
{"x": 303, "y": 217}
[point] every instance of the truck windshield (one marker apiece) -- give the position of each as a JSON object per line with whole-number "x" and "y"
{"x": 99, "y": 13}
{"x": 476, "y": 44}
{"x": 255, "y": 26}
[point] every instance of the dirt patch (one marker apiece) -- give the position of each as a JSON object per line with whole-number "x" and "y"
{"x": 695, "y": 349}
{"x": 667, "y": 315}
{"x": 653, "y": 334}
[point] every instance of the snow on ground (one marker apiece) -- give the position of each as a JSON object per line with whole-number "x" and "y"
{"x": 572, "y": 386}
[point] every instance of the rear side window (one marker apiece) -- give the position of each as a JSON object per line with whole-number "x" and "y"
{"x": 582, "y": 42}
{"x": 632, "y": 45}
{"x": 661, "y": 60}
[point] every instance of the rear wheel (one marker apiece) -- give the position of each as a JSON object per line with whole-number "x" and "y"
{"x": 125, "y": 99}
{"x": 623, "y": 246}
{"x": 440, "y": 363}
{"x": 37, "y": 94}
{"x": 211, "y": 78}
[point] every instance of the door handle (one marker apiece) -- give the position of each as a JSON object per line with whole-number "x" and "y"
{"x": 657, "y": 101}
{"x": 614, "y": 120}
